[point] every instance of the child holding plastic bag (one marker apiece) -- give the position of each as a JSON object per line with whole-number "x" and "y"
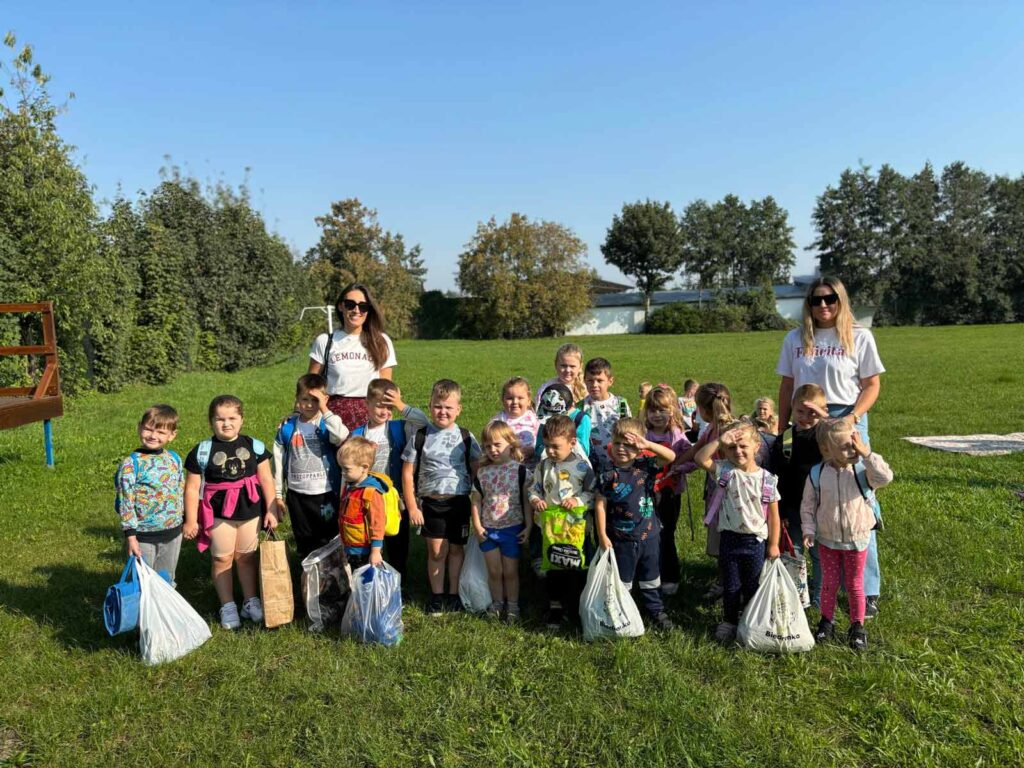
{"x": 838, "y": 516}
{"x": 229, "y": 489}
{"x": 498, "y": 516}
{"x": 744, "y": 509}
{"x": 624, "y": 513}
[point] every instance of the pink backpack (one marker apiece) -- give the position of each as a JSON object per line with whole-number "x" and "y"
{"x": 767, "y": 491}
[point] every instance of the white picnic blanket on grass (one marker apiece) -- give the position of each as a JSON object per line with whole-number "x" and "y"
{"x": 973, "y": 445}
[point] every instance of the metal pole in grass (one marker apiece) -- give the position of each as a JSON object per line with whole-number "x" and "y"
{"x": 328, "y": 310}
{"x": 48, "y": 441}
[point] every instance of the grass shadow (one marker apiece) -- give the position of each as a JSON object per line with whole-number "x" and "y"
{"x": 70, "y": 601}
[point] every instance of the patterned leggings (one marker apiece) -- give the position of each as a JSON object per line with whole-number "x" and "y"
{"x": 851, "y": 563}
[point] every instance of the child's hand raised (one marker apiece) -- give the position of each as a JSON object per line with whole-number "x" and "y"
{"x": 858, "y": 445}
{"x": 815, "y": 408}
{"x": 321, "y": 398}
{"x": 393, "y": 399}
{"x": 731, "y": 437}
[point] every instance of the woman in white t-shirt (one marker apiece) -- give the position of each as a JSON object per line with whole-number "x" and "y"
{"x": 832, "y": 351}
{"x": 354, "y": 356}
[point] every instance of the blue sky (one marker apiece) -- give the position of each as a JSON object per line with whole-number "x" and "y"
{"x": 440, "y": 115}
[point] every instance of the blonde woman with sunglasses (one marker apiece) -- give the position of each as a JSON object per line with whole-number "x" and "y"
{"x": 831, "y": 350}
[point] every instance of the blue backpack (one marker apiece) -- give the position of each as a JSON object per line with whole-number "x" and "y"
{"x": 134, "y": 456}
{"x": 861, "y": 475}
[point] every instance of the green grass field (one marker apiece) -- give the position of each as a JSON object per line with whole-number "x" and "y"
{"x": 940, "y": 685}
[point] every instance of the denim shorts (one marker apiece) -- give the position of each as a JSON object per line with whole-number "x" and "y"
{"x": 505, "y": 539}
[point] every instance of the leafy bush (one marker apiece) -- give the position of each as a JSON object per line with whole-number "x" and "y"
{"x": 688, "y": 318}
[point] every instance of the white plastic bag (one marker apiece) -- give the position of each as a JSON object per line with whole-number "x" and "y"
{"x": 374, "y": 611}
{"x": 607, "y": 610}
{"x": 774, "y": 621}
{"x": 168, "y": 626}
{"x": 325, "y": 585}
{"x": 474, "y": 589}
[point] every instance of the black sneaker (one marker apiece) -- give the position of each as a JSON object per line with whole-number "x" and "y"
{"x": 826, "y": 631}
{"x": 453, "y": 604}
{"x": 870, "y": 607}
{"x": 435, "y": 606}
{"x": 857, "y": 637}
{"x": 663, "y": 623}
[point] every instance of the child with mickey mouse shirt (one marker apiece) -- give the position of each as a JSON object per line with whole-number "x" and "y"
{"x": 226, "y": 491}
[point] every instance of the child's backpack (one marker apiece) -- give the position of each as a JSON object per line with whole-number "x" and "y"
{"x": 421, "y": 438}
{"x": 767, "y": 491}
{"x": 134, "y": 456}
{"x": 392, "y": 513}
{"x": 860, "y": 474}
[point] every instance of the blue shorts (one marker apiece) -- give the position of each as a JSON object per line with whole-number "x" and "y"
{"x": 505, "y": 539}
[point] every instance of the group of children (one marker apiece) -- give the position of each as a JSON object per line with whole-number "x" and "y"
{"x": 560, "y": 475}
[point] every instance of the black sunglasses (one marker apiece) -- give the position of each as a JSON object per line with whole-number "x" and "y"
{"x": 362, "y": 306}
{"x": 830, "y": 299}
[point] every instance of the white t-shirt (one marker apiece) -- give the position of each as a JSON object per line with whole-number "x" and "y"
{"x": 350, "y": 369}
{"x": 741, "y": 509}
{"x": 829, "y": 366}
{"x": 443, "y": 462}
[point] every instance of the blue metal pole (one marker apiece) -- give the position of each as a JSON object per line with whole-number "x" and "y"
{"x": 48, "y": 440}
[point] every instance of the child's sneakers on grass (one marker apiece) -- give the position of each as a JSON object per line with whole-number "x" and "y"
{"x": 494, "y": 610}
{"x": 857, "y": 637}
{"x": 229, "y": 616}
{"x": 725, "y": 633}
{"x": 453, "y": 604}
{"x": 555, "y": 617}
{"x": 252, "y": 609}
{"x": 662, "y": 622}
{"x": 870, "y": 607}
{"x": 826, "y": 631}
{"x": 435, "y": 605}
{"x": 715, "y": 593}
{"x": 512, "y": 613}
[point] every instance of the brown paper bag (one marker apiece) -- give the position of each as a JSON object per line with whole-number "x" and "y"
{"x": 275, "y": 582}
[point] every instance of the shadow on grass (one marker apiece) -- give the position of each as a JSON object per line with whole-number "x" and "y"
{"x": 70, "y": 601}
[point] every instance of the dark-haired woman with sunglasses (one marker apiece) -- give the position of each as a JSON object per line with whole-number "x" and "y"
{"x": 354, "y": 355}
{"x": 832, "y": 351}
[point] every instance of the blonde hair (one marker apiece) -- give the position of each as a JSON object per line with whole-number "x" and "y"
{"x": 844, "y": 317}
{"x": 826, "y": 432}
{"x": 500, "y": 430}
{"x": 810, "y": 393}
{"x": 579, "y": 388}
{"x": 663, "y": 397}
{"x": 714, "y": 398}
{"x": 744, "y": 424}
{"x": 627, "y": 426}
{"x": 358, "y": 450}
{"x": 770, "y": 423}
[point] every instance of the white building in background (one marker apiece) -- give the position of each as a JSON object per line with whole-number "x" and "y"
{"x": 616, "y": 309}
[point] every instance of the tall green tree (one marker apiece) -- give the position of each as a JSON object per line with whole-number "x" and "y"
{"x": 353, "y": 247}
{"x": 48, "y": 222}
{"x": 910, "y": 283}
{"x": 645, "y": 242}
{"x": 523, "y": 279}
{"x": 1003, "y": 281}
{"x": 768, "y": 256}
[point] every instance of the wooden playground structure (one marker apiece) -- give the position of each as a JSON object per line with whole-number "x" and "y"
{"x": 43, "y": 401}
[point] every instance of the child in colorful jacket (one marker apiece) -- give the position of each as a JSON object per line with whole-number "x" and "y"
{"x": 362, "y": 515}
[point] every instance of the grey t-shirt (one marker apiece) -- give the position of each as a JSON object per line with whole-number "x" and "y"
{"x": 443, "y": 463}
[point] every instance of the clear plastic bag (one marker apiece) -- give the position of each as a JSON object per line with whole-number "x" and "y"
{"x": 607, "y": 610}
{"x": 774, "y": 621}
{"x": 325, "y": 585}
{"x": 374, "y": 612}
{"x": 474, "y": 589}
{"x": 169, "y": 627}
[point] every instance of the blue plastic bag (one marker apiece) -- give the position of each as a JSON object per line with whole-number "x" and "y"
{"x": 374, "y": 611}
{"x": 121, "y": 605}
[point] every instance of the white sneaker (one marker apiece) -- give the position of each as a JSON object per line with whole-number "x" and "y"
{"x": 669, "y": 588}
{"x": 252, "y": 609}
{"x": 229, "y": 616}
{"x": 725, "y": 632}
